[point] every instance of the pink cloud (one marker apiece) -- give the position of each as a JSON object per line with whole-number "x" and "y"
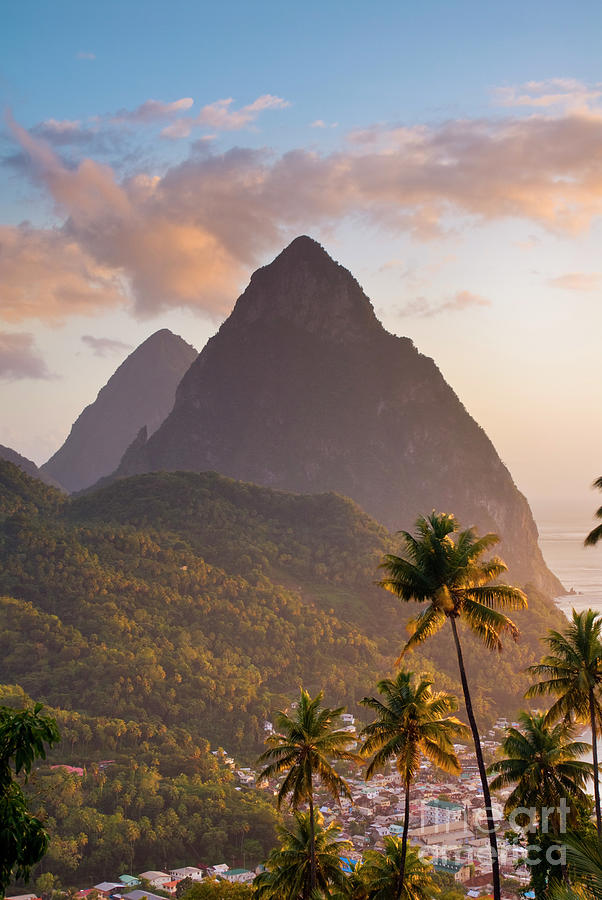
{"x": 19, "y": 357}
{"x": 564, "y": 93}
{"x": 223, "y": 117}
{"x": 190, "y": 236}
{"x": 420, "y": 307}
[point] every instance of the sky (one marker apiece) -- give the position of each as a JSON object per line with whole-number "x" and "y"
{"x": 153, "y": 154}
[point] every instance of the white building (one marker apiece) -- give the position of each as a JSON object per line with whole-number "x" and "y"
{"x": 441, "y": 812}
{"x": 156, "y": 879}
{"x": 187, "y": 872}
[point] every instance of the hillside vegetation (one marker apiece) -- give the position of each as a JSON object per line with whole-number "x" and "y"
{"x": 166, "y": 613}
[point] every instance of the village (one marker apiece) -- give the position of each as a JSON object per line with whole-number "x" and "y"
{"x": 447, "y": 819}
{"x": 447, "y": 824}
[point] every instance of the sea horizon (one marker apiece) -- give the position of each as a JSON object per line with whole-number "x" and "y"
{"x": 579, "y": 568}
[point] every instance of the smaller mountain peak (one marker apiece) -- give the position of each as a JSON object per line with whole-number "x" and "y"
{"x": 162, "y": 342}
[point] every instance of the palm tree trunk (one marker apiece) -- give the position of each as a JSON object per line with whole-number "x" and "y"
{"x": 404, "y": 841}
{"x": 592, "y": 715}
{"x": 495, "y": 865}
{"x": 312, "y": 847}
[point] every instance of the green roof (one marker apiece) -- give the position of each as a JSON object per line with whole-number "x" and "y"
{"x": 447, "y": 865}
{"x": 445, "y": 804}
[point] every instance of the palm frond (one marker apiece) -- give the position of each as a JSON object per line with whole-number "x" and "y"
{"x": 422, "y": 627}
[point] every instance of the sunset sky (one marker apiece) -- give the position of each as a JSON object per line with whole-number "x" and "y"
{"x": 153, "y": 154}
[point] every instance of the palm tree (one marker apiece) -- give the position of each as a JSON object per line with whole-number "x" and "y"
{"x": 448, "y": 575}
{"x": 381, "y": 873}
{"x": 596, "y": 533}
{"x": 303, "y": 749}
{"x": 584, "y": 856}
{"x": 289, "y": 873}
{"x": 412, "y": 721}
{"x": 542, "y": 763}
{"x": 573, "y": 673}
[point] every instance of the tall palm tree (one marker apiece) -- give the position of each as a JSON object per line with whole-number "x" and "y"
{"x": 442, "y": 568}
{"x": 380, "y": 873}
{"x": 412, "y": 721}
{"x": 303, "y": 748}
{"x": 288, "y": 874}
{"x": 542, "y": 762}
{"x": 573, "y": 673}
{"x": 596, "y": 533}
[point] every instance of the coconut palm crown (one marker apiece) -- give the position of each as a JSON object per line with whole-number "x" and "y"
{"x": 380, "y": 873}
{"x": 572, "y": 673}
{"x": 288, "y": 868}
{"x": 441, "y": 567}
{"x": 303, "y": 748}
{"x": 412, "y": 721}
{"x": 543, "y": 764}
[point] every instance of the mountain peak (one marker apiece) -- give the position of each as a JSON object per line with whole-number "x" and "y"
{"x": 307, "y": 288}
{"x": 139, "y": 393}
{"x": 163, "y": 339}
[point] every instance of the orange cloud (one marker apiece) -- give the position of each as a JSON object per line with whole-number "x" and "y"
{"x": 578, "y": 281}
{"x": 46, "y": 275}
{"x": 190, "y": 236}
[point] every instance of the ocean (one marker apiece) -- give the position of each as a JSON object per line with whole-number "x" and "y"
{"x": 579, "y": 568}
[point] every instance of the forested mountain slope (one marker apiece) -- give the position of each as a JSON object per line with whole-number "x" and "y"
{"x": 27, "y": 465}
{"x": 202, "y": 603}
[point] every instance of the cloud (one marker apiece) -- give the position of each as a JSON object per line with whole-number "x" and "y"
{"x": 65, "y": 132}
{"x": 397, "y": 264}
{"x": 85, "y": 55}
{"x": 188, "y": 237}
{"x": 320, "y": 123}
{"x": 45, "y": 274}
{"x": 564, "y": 93}
{"x": 460, "y": 301}
{"x": 104, "y": 346}
{"x": 106, "y": 135}
{"x": 465, "y": 299}
{"x": 223, "y": 117}
{"x": 152, "y": 111}
{"x": 19, "y": 357}
{"x": 578, "y": 281}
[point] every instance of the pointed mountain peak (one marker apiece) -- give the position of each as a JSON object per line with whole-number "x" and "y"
{"x": 164, "y": 339}
{"x": 140, "y": 393}
{"x": 305, "y": 286}
{"x": 305, "y": 248}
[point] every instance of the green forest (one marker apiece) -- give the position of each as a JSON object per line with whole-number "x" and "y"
{"x": 166, "y": 615}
